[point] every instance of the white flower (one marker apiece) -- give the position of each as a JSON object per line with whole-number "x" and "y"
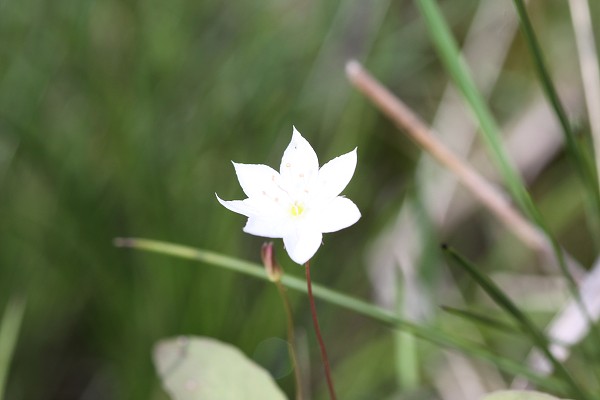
{"x": 300, "y": 202}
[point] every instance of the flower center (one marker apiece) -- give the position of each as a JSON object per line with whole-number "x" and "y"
{"x": 296, "y": 209}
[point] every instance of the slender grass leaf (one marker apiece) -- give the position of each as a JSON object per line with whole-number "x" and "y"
{"x": 361, "y": 307}
{"x": 529, "y": 328}
{"x": 481, "y": 319}
{"x": 459, "y": 71}
{"x": 9, "y": 334}
{"x": 583, "y": 164}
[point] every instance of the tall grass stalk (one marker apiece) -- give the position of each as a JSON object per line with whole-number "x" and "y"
{"x": 588, "y": 64}
{"x": 10, "y": 327}
{"x": 405, "y": 346}
{"x": 585, "y": 169}
{"x": 529, "y": 328}
{"x": 459, "y": 71}
{"x": 430, "y": 334}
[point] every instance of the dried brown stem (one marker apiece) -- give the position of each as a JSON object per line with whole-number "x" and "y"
{"x": 493, "y": 199}
{"x": 406, "y": 119}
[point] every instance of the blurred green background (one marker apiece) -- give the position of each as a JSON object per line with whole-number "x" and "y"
{"x": 120, "y": 118}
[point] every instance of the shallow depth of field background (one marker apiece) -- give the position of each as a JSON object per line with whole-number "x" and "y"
{"x": 120, "y": 118}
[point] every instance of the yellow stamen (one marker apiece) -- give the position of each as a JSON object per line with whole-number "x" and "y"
{"x": 296, "y": 209}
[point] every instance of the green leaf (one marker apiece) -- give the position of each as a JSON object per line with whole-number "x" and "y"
{"x": 580, "y": 159}
{"x": 501, "y": 299}
{"x": 429, "y": 334}
{"x": 459, "y": 71}
{"x": 194, "y": 368}
{"x": 10, "y": 327}
{"x": 519, "y": 395}
{"x": 482, "y": 319}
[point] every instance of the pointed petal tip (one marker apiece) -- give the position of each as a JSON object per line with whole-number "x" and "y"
{"x": 335, "y": 175}
{"x": 341, "y": 213}
{"x": 299, "y": 154}
{"x": 353, "y": 153}
{"x": 221, "y": 201}
{"x": 298, "y": 259}
{"x": 225, "y": 203}
{"x": 302, "y": 246}
{"x": 238, "y": 165}
{"x": 218, "y": 198}
{"x": 295, "y": 132}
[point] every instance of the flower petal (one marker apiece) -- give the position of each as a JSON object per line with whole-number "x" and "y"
{"x": 263, "y": 219}
{"x": 299, "y": 164}
{"x": 267, "y": 227}
{"x": 244, "y": 207}
{"x": 302, "y": 243}
{"x": 335, "y": 175}
{"x": 258, "y": 180}
{"x": 254, "y": 207}
{"x": 338, "y": 214}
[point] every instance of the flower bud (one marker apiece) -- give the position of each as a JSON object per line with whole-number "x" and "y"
{"x": 272, "y": 267}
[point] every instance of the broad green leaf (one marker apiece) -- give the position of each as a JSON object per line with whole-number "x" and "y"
{"x": 194, "y": 368}
{"x": 519, "y": 395}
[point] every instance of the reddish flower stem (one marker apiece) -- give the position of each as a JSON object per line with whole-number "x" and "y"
{"x": 313, "y": 310}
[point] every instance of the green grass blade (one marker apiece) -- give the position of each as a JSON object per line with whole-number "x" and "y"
{"x": 459, "y": 71}
{"x": 405, "y": 347}
{"x": 456, "y": 66}
{"x": 529, "y": 328}
{"x": 493, "y": 323}
{"x": 582, "y": 163}
{"x": 361, "y": 307}
{"x": 482, "y": 319}
{"x": 9, "y": 333}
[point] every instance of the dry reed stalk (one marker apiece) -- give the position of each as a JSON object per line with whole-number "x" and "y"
{"x": 407, "y": 120}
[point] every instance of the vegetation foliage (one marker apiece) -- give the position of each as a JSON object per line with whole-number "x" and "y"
{"x": 119, "y": 118}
